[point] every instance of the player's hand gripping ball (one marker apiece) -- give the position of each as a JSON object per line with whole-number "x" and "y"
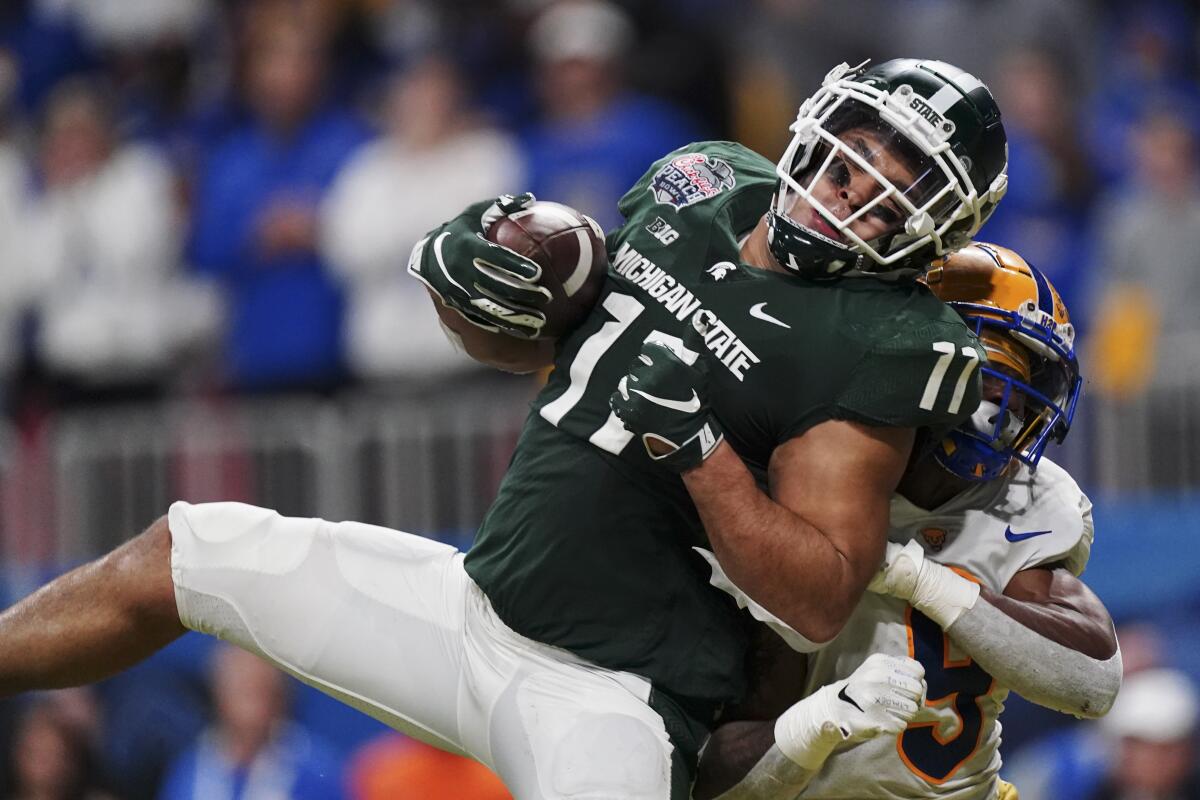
{"x": 569, "y": 248}
{"x": 514, "y": 266}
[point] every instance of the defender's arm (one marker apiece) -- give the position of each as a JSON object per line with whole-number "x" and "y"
{"x": 742, "y": 762}
{"x": 807, "y": 551}
{"x": 777, "y": 758}
{"x": 1048, "y": 637}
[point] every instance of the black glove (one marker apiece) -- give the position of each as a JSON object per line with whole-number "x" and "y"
{"x": 491, "y": 286}
{"x": 664, "y": 401}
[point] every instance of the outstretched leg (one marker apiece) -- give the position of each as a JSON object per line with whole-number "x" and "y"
{"x": 95, "y": 620}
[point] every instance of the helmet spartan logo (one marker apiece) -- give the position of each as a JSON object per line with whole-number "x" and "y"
{"x": 935, "y": 538}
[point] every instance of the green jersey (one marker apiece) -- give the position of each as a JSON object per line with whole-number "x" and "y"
{"x": 589, "y": 544}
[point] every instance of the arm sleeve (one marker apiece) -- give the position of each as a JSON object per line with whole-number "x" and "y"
{"x": 774, "y": 777}
{"x": 1038, "y": 669}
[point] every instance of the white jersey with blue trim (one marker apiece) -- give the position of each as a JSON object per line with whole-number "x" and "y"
{"x": 951, "y": 749}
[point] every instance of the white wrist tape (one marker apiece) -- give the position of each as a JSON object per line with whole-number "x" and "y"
{"x": 1040, "y": 670}
{"x": 942, "y": 594}
{"x": 806, "y": 732}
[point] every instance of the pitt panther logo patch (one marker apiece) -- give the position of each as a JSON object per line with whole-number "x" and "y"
{"x": 688, "y": 179}
{"x": 935, "y": 538}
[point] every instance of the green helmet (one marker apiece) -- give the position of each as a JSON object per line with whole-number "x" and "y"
{"x": 939, "y": 122}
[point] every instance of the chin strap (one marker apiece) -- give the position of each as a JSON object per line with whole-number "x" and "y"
{"x": 899, "y": 275}
{"x": 805, "y": 253}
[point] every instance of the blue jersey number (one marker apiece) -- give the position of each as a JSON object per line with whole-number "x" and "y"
{"x": 929, "y": 751}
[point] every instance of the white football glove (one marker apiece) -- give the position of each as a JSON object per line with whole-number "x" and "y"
{"x": 880, "y": 697}
{"x": 935, "y": 590}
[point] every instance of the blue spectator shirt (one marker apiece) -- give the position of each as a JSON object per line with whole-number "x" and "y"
{"x": 285, "y": 312}
{"x": 293, "y": 765}
{"x": 588, "y": 165}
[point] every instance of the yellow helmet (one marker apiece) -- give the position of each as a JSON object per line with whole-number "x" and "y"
{"x": 1025, "y": 329}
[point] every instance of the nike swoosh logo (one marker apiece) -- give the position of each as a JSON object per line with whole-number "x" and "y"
{"x": 1020, "y": 537}
{"x": 843, "y": 696}
{"x": 757, "y": 312}
{"x": 686, "y": 406}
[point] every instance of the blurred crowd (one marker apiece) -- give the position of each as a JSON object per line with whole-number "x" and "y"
{"x": 202, "y": 197}
{"x": 217, "y": 196}
{"x": 229, "y": 726}
{"x": 208, "y": 195}
{"x": 228, "y": 730}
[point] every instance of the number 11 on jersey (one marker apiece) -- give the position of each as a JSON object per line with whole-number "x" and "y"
{"x": 934, "y": 385}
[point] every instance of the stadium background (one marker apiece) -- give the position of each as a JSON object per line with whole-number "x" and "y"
{"x": 205, "y": 209}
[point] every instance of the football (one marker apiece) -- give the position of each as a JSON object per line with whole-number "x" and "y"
{"x": 569, "y": 246}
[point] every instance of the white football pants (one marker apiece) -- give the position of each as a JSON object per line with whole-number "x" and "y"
{"x": 392, "y": 625}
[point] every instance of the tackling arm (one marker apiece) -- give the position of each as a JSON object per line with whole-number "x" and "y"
{"x": 1048, "y": 637}
{"x": 777, "y": 758}
{"x": 749, "y": 750}
{"x": 807, "y": 551}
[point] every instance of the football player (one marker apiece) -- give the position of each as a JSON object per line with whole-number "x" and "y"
{"x": 980, "y": 584}
{"x": 578, "y": 648}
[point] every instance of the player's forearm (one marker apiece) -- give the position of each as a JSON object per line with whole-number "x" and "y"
{"x": 1023, "y": 637}
{"x": 1074, "y": 618}
{"x": 1029, "y": 653}
{"x": 879, "y": 698}
{"x": 730, "y": 756}
{"x": 493, "y": 349}
{"x": 773, "y": 554}
{"x": 774, "y": 777}
{"x": 514, "y": 355}
{"x": 742, "y": 761}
